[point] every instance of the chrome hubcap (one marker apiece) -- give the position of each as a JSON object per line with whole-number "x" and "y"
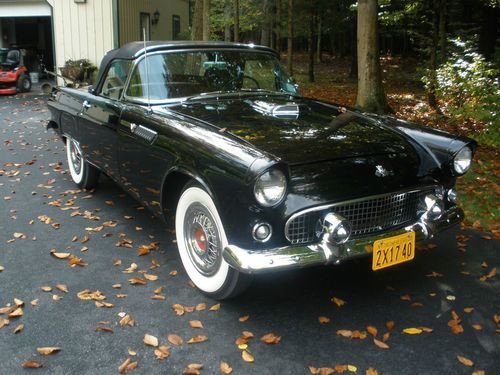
{"x": 76, "y": 156}
{"x": 202, "y": 239}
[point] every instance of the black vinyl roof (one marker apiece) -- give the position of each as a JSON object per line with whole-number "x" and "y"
{"x": 133, "y": 50}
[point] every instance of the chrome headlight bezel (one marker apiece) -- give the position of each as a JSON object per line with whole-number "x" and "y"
{"x": 270, "y": 187}
{"x": 462, "y": 161}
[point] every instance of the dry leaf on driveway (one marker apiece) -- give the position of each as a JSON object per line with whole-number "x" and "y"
{"x": 150, "y": 340}
{"x": 47, "y": 350}
{"x": 32, "y": 364}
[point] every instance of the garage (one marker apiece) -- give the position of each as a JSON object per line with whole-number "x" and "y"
{"x": 27, "y": 25}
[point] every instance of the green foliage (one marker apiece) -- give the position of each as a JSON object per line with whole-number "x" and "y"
{"x": 467, "y": 87}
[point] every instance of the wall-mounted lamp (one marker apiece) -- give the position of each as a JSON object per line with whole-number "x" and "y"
{"x": 156, "y": 17}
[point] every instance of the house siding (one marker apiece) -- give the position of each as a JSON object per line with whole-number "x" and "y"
{"x": 129, "y": 18}
{"x": 82, "y": 30}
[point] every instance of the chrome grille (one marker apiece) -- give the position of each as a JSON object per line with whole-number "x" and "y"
{"x": 367, "y": 216}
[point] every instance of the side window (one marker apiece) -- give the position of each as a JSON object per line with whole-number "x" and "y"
{"x": 116, "y": 77}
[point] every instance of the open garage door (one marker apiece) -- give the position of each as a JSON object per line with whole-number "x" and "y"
{"x": 27, "y": 25}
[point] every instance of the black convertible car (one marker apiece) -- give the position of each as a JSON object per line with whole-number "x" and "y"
{"x": 257, "y": 177}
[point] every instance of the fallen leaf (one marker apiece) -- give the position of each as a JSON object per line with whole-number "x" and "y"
{"x": 468, "y": 309}
{"x": 465, "y": 361}
{"x": 47, "y": 350}
{"x": 243, "y": 318}
{"x": 90, "y": 295}
{"x": 201, "y": 307}
{"x": 127, "y": 366}
{"x": 137, "y": 281}
{"x": 62, "y": 288}
{"x": 175, "y": 339}
{"x": 390, "y": 325}
{"x": 412, "y": 331}
{"x": 380, "y": 344}
{"x": 344, "y": 333}
{"x": 150, "y": 340}
{"x": 32, "y": 364}
{"x": 339, "y": 302}
{"x": 477, "y": 327}
{"x": 16, "y": 313}
{"x": 324, "y": 319}
{"x": 19, "y": 328}
{"x": 57, "y": 255}
{"x": 247, "y": 357}
{"x": 197, "y": 339}
{"x": 150, "y": 277}
{"x": 195, "y": 324}
{"x": 215, "y": 307}
{"x": 270, "y": 338}
{"x": 179, "y": 309}
{"x": 18, "y": 302}
{"x": 162, "y": 352}
{"x": 371, "y": 371}
{"x": 321, "y": 370}
{"x": 372, "y": 330}
{"x": 225, "y": 368}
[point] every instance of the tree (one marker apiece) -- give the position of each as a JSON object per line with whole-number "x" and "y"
{"x": 289, "y": 52}
{"x": 236, "y": 21}
{"x": 197, "y": 26}
{"x": 206, "y": 19}
{"x": 371, "y": 96}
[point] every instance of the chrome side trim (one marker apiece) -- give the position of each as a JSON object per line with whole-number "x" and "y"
{"x": 258, "y": 261}
{"x": 327, "y": 206}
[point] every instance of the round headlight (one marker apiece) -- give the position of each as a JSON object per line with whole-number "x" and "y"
{"x": 270, "y": 188}
{"x": 462, "y": 160}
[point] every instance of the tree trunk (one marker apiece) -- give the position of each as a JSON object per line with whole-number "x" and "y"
{"x": 227, "y": 24}
{"x": 353, "y": 72}
{"x": 265, "y": 32}
{"x": 278, "y": 26}
{"x": 371, "y": 96}
{"x": 431, "y": 93}
{"x": 236, "y": 21}
{"x": 206, "y": 19}
{"x": 289, "y": 64}
{"x": 318, "y": 41}
{"x": 442, "y": 31}
{"x": 310, "y": 43}
{"x": 489, "y": 31}
{"x": 197, "y": 28}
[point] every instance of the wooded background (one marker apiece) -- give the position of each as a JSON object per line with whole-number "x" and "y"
{"x": 441, "y": 34}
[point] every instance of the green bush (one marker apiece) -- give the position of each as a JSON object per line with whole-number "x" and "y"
{"x": 467, "y": 89}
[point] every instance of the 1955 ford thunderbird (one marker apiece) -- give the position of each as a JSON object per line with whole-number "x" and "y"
{"x": 257, "y": 177}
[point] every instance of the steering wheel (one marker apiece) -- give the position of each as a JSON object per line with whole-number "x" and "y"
{"x": 242, "y": 77}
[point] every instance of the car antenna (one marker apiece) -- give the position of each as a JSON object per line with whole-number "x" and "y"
{"x": 147, "y": 69}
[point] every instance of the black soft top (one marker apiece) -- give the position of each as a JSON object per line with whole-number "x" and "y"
{"x": 131, "y": 51}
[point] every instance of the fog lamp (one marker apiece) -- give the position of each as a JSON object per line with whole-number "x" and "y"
{"x": 262, "y": 232}
{"x": 336, "y": 229}
{"x": 433, "y": 207}
{"x": 452, "y": 196}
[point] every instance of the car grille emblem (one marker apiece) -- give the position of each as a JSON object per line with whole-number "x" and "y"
{"x": 380, "y": 171}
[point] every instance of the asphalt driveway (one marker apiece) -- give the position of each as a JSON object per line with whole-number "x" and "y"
{"x": 57, "y": 241}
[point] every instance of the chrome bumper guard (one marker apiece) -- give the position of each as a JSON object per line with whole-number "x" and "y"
{"x": 323, "y": 253}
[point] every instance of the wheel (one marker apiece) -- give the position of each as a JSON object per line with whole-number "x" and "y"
{"x": 83, "y": 174}
{"x": 23, "y": 83}
{"x": 200, "y": 239}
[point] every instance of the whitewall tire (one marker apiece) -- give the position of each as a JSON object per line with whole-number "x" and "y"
{"x": 82, "y": 173}
{"x": 201, "y": 239}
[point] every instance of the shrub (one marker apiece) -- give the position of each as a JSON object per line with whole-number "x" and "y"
{"x": 467, "y": 88}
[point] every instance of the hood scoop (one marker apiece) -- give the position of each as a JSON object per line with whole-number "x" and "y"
{"x": 288, "y": 111}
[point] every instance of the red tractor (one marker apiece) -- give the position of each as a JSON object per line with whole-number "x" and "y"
{"x": 14, "y": 76}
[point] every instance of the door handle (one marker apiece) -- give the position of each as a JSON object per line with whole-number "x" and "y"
{"x": 86, "y": 105}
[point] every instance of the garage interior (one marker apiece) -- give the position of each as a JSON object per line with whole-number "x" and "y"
{"x": 27, "y": 25}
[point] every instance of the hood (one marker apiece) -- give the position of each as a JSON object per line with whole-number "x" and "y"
{"x": 297, "y": 130}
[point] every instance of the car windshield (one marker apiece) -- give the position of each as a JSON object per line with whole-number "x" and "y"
{"x": 175, "y": 75}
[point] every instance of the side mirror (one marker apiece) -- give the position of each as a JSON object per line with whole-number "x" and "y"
{"x": 91, "y": 90}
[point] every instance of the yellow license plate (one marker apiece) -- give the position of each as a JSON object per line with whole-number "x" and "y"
{"x": 393, "y": 250}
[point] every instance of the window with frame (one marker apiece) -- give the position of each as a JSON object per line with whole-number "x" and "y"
{"x": 114, "y": 83}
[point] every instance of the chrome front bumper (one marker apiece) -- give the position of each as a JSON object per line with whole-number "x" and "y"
{"x": 322, "y": 253}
